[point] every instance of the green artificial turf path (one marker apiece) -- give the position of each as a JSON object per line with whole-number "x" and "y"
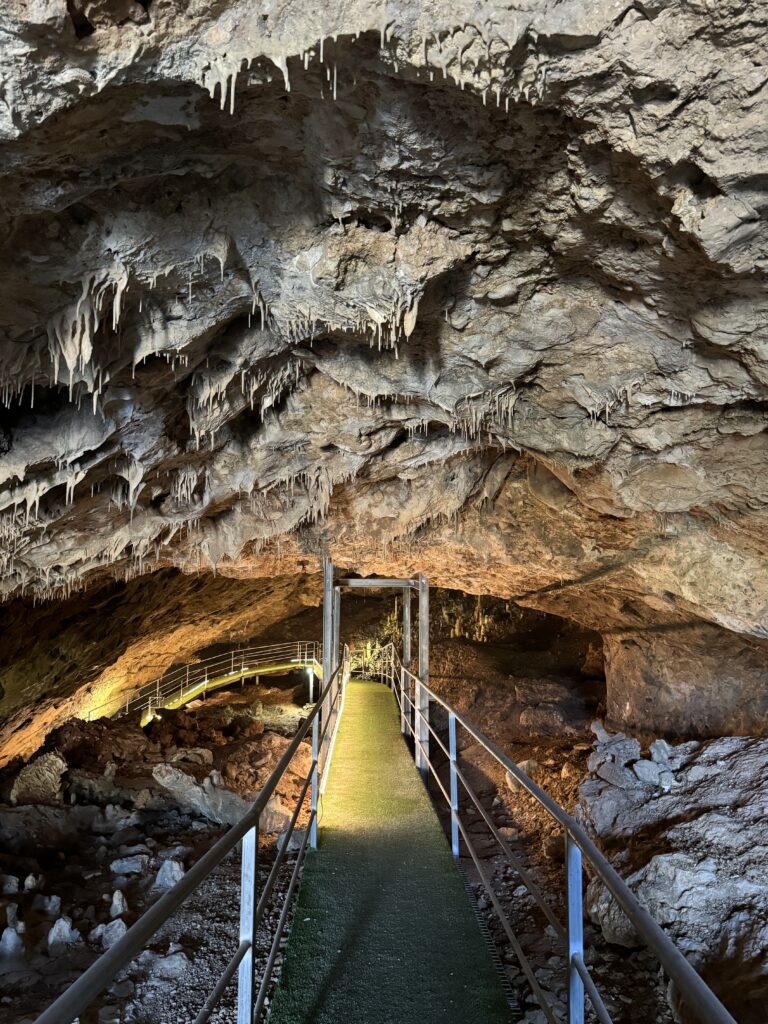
{"x": 383, "y": 930}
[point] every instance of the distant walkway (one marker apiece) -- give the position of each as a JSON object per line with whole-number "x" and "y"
{"x": 383, "y": 929}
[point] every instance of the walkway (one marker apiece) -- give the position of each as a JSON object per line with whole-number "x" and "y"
{"x": 383, "y": 929}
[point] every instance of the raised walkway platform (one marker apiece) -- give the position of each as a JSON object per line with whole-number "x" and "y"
{"x": 383, "y": 930}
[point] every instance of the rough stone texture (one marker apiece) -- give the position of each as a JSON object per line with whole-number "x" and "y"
{"x": 211, "y": 799}
{"x": 39, "y": 782}
{"x": 686, "y": 829}
{"x": 108, "y": 934}
{"x": 134, "y": 865}
{"x": 62, "y": 936}
{"x": 443, "y": 286}
{"x": 695, "y": 680}
{"x": 79, "y": 667}
{"x": 171, "y": 871}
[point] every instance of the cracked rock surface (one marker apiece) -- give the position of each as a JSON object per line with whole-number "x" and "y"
{"x": 472, "y": 291}
{"x": 686, "y": 828}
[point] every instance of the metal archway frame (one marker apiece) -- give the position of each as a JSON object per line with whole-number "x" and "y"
{"x": 331, "y": 633}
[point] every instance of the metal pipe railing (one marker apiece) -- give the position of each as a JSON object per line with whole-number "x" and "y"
{"x": 186, "y": 681}
{"x": 102, "y": 972}
{"x": 695, "y": 992}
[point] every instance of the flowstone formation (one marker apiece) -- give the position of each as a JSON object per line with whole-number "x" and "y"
{"x": 474, "y": 291}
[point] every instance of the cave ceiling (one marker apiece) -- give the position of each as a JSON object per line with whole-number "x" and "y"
{"x": 458, "y": 288}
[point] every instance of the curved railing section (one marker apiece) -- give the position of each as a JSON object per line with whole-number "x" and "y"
{"x": 414, "y": 698}
{"x": 184, "y": 683}
{"x": 322, "y": 723}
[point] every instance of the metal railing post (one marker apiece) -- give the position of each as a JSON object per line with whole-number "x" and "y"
{"x": 407, "y": 628}
{"x": 315, "y": 780}
{"x": 575, "y": 930}
{"x": 402, "y": 701}
{"x": 336, "y": 626}
{"x": 422, "y": 693}
{"x": 454, "y": 785}
{"x": 248, "y": 903}
{"x": 327, "y": 629}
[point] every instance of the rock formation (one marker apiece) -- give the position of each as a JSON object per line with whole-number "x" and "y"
{"x": 454, "y": 288}
{"x": 687, "y": 830}
{"x": 476, "y": 291}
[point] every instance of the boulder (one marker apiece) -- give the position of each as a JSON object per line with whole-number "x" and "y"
{"x": 9, "y": 885}
{"x": 119, "y": 904}
{"x": 135, "y": 865}
{"x": 11, "y": 945}
{"x": 49, "y": 905}
{"x": 545, "y": 720}
{"x": 693, "y": 834}
{"x": 39, "y": 782}
{"x": 171, "y": 967}
{"x": 171, "y": 871}
{"x": 95, "y": 744}
{"x": 63, "y": 936}
{"x": 211, "y": 799}
{"x": 108, "y": 934}
{"x": 43, "y": 825}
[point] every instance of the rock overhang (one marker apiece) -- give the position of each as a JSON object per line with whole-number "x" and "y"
{"x": 484, "y": 297}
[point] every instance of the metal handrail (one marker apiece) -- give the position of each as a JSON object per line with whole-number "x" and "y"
{"x": 102, "y": 972}
{"x": 198, "y": 677}
{"x": 695, "y": 992}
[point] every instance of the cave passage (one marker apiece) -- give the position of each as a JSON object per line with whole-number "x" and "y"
{"x": 469, "y": 289}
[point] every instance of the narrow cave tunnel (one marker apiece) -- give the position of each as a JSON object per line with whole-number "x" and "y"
{"x": 469, "y": 304}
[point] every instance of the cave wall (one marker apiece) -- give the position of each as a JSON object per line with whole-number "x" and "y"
{"x": 469, "y": 291}
{"x": 80, "y": 656}
{"x": 687, "y": 681}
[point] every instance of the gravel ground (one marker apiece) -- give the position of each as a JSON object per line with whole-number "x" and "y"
{"x": 205, "y": 932}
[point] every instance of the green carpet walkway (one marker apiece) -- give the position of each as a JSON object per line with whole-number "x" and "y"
{"x": 383, "y": 929}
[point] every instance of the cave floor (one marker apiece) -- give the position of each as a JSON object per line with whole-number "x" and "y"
{"x": 383, "y": 928}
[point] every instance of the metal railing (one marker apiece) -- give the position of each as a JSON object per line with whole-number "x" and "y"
{"x": 184, "y": 683}
{"x": 250, "y": 1002}
{"x": 413, "y": 697}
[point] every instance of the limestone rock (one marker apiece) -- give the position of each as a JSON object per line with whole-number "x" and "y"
{"x": 518, "y": 262}
{"x": 108, "y": 934}
{"x": 39, "y": 782}
{"x": 196, "y": 755}
{"x": 534, "y": 771}
{"x": 134, "y": 865}
{"x": 62, "y": 936}
{"x": 294, "y": 843}
{"x": 49, "y": 905}
{"x": 171, "y": 967}
{"x": 118, "y": 905}
{"x": 647, "y": 771}
{"x": 11, "y": 944}
{"x": 694, "y": 855}
{"x": 171, "y": 871}
{"x": 208, "y": 798}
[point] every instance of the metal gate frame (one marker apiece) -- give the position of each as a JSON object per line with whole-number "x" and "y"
{"x": 332, "y": 588}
